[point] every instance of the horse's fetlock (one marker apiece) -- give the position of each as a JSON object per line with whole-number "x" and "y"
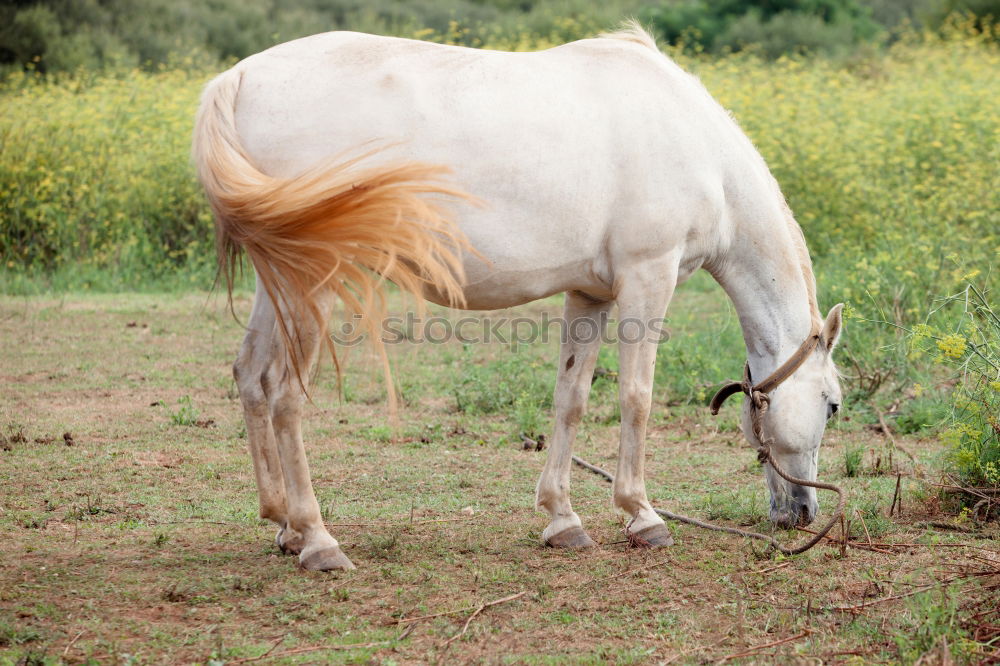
{"x": 273, "y": 512}
{"x": 630, "y": 500}
{"x": 543, "y": 498}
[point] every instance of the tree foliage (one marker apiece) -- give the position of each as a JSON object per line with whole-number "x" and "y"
{"x": 777, "y": 26}
{"x": 55, "y": 35}
{"x": 50, "y": 35}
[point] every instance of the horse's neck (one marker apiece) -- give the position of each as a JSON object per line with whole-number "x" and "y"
{"x": 768, "y": 275}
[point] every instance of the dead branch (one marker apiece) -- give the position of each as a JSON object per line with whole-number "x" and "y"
{"x": 265, "y": 655}
{"x": 770, "y": 569}
{"x": 984, "y": 493}
{"x": 747, "y": 653}
{"x": 864, "y": 525}
{"x": 937, "y": 524}
{"x": 320, "y": 648}
{"x": 857, "y": 608}
{"x": 623, "y": 573}
{"x": 698, "y": 648}
{"x": 838, "y": 542}
{"x": 892, "y": 440}
{"x": 72, "y": 642}
{"x": 896, "y": 496}
{"x": 465, "y": 627}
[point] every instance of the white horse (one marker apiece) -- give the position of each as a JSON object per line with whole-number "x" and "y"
{"x": 600, "y": 169}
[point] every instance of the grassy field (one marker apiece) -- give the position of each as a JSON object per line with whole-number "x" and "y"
{"x": 129, "y": 511}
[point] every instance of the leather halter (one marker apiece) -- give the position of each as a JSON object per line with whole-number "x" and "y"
{"x": 759, "y": 394}
{"x": 760, "y": 400}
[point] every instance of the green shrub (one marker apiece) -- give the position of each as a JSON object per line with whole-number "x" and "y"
{"x": 985, "y": 13}
{"x": 514, "y": 382}
{"x": 186, "y": 414}
{"x": 94, "y": 174}
{"x": 931, "y": 621}
{"x": 775, "y": 28}
{"x": 11, "y": 635}
{"x": 787, "y": 32}
{"x": 853, "y": 459}
{"x": 922, "y": 413}
{"x": 64, "y": 35}
{"x": 963, "y": 334}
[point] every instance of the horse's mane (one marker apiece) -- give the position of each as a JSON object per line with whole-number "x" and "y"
{"x": 805, "y": 261}
{"x": 632, "y": 31}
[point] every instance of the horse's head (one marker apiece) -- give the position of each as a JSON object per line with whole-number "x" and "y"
{"x": 794, "y": 421}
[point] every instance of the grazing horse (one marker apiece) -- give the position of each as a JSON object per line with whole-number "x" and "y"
{"x": 482, "y": 179}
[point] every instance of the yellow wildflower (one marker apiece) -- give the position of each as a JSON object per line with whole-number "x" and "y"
{"x": 952, "y": 346}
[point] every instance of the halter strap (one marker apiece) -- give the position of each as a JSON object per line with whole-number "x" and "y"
{"x": 759, "y": 393}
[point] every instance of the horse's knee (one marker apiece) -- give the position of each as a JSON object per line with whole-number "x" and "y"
{"x": 571, "y": 413}
{"x": 635, "y": 402}
{"x": 571, "y": 406}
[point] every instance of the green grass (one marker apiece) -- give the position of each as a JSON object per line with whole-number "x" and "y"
{"x": 852, "y": 461}
{"x": 186, "y": 414}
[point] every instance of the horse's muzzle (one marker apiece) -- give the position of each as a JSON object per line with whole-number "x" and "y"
{"x": 796, "y": 511}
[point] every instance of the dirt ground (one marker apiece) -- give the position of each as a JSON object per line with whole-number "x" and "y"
{"x": 129, "y": 512}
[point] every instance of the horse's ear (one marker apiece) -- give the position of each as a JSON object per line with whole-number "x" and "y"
{"x": 834, "y": 323}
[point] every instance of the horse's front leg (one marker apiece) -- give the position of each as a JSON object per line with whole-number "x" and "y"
{"x": 642, "y": 301}
{"x": 582, "y": 333}
{"x": 272, "y": 403}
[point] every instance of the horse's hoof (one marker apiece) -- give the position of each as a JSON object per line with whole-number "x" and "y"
{"x": 326, "y": 559}
{"x": 656, "y": 536}
{"x": 571, "y": 537}
{"x": 288, "y": 544}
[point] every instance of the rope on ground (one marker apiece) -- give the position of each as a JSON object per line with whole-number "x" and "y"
{"x": 747, "y": 533}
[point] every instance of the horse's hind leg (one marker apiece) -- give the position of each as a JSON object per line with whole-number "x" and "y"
{"x": 272, "y": 401}
{"x": 584, "y": 325}
{"x": 254, "y": 358}
{"x": 642, "y": 299}
{"x": 285, "y": 397}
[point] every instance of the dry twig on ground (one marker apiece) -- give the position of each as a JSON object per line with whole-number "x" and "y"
{"x": 758, "y": 648}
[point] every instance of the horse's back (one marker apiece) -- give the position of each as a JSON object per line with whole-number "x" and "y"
{"x": 592, "y": 94}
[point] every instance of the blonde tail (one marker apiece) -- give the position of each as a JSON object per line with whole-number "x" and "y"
{"x": 338, "y": 226}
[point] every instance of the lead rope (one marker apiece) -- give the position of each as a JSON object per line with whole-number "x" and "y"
{"x": 759, "y": 403}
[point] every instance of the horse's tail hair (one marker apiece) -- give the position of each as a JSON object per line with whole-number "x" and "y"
{"x": 339, "y": 226}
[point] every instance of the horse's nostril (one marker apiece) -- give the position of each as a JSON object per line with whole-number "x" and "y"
{"x": 804, "y": 515}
